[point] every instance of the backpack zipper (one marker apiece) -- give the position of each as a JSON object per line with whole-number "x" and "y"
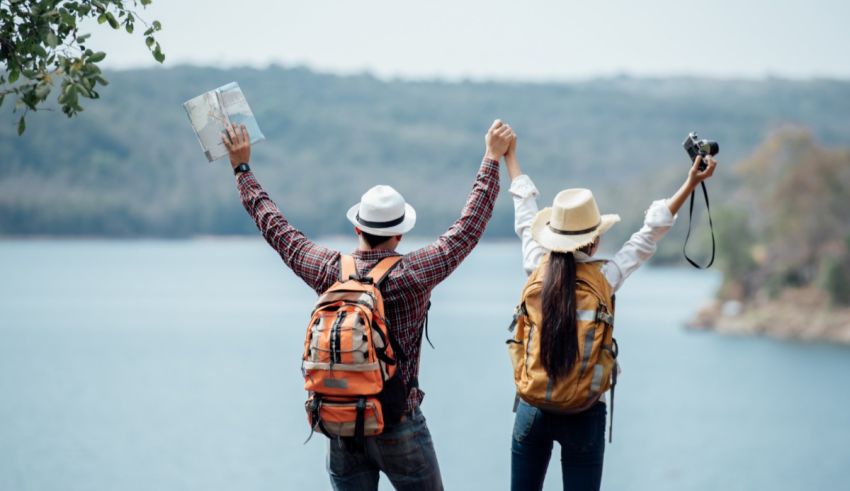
{"x": 335, "y": 339}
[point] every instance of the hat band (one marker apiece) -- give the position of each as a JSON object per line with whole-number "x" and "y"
{"x": 573, "y": 232}
{"x": 371, "y": 224}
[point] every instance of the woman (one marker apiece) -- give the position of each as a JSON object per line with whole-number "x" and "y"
{"x": 561, "y": 241}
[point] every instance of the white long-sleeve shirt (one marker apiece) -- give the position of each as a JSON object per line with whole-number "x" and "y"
{"x": 636, "y": 251}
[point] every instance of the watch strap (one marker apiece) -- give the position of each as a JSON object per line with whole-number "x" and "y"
{"x": 240, "y": 169}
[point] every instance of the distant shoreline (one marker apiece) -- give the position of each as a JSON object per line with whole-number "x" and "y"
{"x": 802, "y": 314}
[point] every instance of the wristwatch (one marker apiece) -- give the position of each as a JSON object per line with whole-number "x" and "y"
{"x": 240, "y": 169}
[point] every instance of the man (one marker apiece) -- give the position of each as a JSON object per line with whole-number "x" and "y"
{"x": 404, "y": 451}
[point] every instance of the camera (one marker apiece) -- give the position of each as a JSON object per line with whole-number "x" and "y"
{"x": 694, "y": 146}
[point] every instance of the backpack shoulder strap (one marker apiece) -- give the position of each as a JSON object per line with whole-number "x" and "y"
{"x": 347, "y": 267}
{"x": 378, "y": 273}
{"x": 593, "y": 279}
{"x": 590, "y": 274}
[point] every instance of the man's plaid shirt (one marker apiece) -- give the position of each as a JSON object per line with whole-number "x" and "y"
{"x": 407, "y": 289}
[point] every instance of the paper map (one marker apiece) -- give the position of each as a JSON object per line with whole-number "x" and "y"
{"x": 211, "y": 112}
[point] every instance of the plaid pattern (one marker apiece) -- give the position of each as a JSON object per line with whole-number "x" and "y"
{"x": 408, "y": 287}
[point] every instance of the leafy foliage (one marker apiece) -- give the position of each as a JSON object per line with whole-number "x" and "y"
{"x": 794, "y": 194}
{"x": 834, "y": 278}
{"x": 40, "y": 46}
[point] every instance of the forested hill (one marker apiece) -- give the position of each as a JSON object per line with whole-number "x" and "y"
{"x": 131, "y": 166}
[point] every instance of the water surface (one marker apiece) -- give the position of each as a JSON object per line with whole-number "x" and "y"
{"x": 174, "y": 365}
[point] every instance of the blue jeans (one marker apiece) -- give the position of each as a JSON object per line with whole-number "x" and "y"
{"x": 404, "y": 452}
{"x": 582, "y": 440}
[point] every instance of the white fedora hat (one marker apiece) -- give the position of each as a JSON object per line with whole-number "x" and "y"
{"x": 571, "y": 223}
{"x": 382, "y": 211}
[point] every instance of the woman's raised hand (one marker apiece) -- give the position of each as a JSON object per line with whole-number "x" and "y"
{"x": 498, "y": 139}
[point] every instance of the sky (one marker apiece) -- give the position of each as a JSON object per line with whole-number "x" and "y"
{"x": 500, "y": 40}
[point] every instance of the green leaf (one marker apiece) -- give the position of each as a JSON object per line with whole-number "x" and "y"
{"x": 13, "y": 75}
{"x": 52, "y": 40}
{"x": 129, "y": 27}
{"x": 113, "y": 23}
{"x": 96, "y": 57}
{"x": 68, "y": 19}
{"x": 158, "y": 55}
{"x": 157, "y": 25}
{"x": 101, "y": 18}
{"x": 83, "y": 37}
{"x": 42, "y": 91}
{"x": 149, "y": 41}
{"x": 22, "y": 126}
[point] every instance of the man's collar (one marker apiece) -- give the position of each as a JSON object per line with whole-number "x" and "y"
{"x": 374, "y": 253}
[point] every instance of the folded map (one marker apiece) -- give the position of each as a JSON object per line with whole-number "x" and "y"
{"x": 211, "y": 112}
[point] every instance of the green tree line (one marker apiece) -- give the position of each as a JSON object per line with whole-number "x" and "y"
{"x": 787, "y": 224}
{"x": 130, "y": 166}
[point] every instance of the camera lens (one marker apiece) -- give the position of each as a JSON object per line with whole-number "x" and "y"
{"x": 709, "y": 147}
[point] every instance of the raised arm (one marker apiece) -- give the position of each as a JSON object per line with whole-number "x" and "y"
{"x": 314, "y": 264}
{"x": 433, "y": 263}
{"x": 695, "y": 177}
{"x": 659, "y": 218}
{"x": 524, "y": 195}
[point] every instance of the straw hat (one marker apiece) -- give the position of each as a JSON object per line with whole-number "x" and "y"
{"x": 382, "y": 211}
{"x": 571, "y": 223}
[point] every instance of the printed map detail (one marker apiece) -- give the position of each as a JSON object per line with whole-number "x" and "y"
{"x": 211, "y": 112}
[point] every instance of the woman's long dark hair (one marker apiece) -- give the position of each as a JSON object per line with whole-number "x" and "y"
{"x": 558, "y": 338}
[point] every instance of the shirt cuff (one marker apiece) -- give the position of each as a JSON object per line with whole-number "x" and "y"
{"x": 522, "y": 187}
{"x": 489, "y": 168}
{"x": 246, "y": 179}
{"x": 658, "y": 215}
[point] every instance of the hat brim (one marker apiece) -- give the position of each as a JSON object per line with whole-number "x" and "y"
{"x": 543, "y": 235}
{"x": 402, "y": 228}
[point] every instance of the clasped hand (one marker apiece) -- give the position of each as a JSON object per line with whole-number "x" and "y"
{"x": 499, "y": 140}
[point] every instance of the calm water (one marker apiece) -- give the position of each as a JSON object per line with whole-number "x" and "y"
{"x": 175, "y": 366}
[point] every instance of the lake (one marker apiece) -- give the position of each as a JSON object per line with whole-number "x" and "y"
{"x": 174, "y": 365}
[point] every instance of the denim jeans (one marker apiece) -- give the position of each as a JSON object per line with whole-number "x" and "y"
{"x": 404, "y": 452}
{"x": 582, "y": 440}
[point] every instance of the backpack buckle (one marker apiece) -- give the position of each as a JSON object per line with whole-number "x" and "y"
{"x": 605, "y": 317}
{"x": 362, "y": 279}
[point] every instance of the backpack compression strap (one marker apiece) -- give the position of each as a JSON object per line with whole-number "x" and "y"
{"x": 347, "y": 267}
{"x": 382, "y": 269}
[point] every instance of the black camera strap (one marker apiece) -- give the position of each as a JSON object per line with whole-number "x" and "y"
{"x": 710, "y": 224}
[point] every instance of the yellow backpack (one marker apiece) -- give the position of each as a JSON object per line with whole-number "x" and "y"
{"x": 595, "y": 370}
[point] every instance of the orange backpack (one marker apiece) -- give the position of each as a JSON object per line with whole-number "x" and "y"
{"x": 348, "y": 355}
{"x": 596, "y": 368}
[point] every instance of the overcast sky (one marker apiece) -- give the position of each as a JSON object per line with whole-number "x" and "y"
{"x": 496, "y": 39}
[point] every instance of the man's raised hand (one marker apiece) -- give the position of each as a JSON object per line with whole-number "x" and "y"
{"x": 498, "y": 139}
{"x": 238, "y": 144}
